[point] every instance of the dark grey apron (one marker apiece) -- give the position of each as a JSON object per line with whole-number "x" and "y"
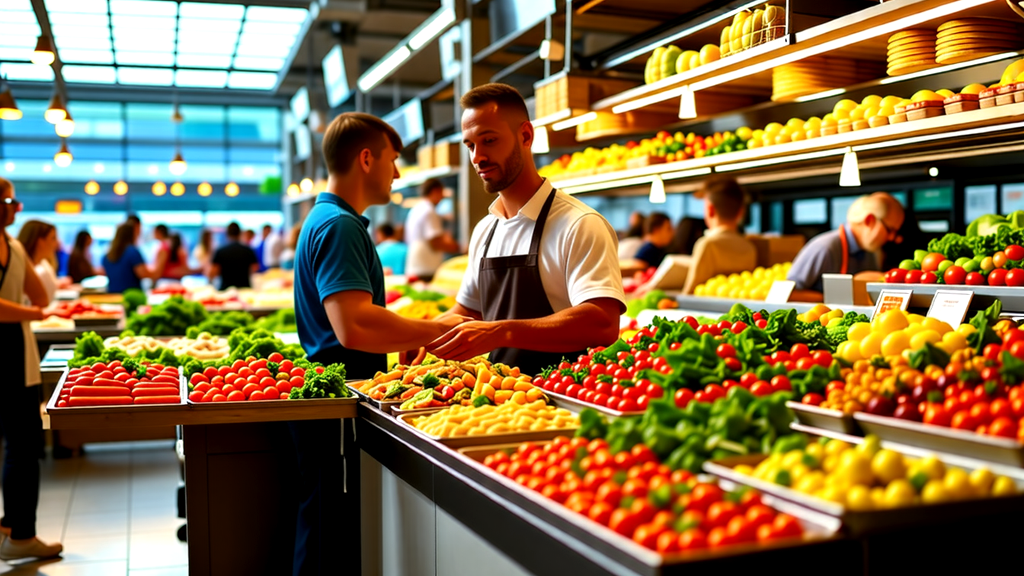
{"x": 511, "y": 289}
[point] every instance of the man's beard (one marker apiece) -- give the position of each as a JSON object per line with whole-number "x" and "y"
{"x": 509, "y": 173}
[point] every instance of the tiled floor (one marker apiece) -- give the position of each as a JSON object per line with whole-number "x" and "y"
{"x": 114, "y": 509}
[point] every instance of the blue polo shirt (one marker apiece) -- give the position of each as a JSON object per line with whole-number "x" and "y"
{"x": 824, "y": 255}
{"x": 121, "y": 274}
{"x": 335, "y": 253}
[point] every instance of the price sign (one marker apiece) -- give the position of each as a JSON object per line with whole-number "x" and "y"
{"x": 780, "y": 291}
{"x": 950, "y": 306}
{"x": 891, "y": 300}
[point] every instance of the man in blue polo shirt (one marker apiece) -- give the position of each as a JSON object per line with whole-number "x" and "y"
{"x": 339, "y": 309}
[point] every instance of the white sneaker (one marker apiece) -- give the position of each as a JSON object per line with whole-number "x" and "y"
{"x": 35, "y": 548}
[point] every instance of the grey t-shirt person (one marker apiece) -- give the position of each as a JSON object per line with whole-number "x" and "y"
{"x": 824, "y": 255}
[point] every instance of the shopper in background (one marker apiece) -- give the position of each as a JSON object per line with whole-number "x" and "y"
{"x": 723, "y": 249}
{"x": 272, "y": 246}
{"x": 854, "y": 248}
{"x": 136, "y": 225}
{"x": 20, "y": 423}
{"x": 40, "y": 242}
{"x": 247, "y": 237}
{"x": 392, "y": 251}
{"x": 425, "y": 234}
{"x": 234, "y": 262}
{"x": 258, "y": 250}
{"x": 123, "y": 263}
{"x": 172, "y": 258}
{"x": 339, "y": 309}
{"x": 80, "y": 263}
{"x": 543, "y": 271}
{"x": 658, "y": 233}
{"x": 688, "y": 232}
{"x": 202, "y": 253}
{"x": 633, "y": 238}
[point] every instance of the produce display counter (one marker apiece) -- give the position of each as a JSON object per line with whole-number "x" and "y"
{"x": 1011, "y": 298}
{"x": 707, "y": 304}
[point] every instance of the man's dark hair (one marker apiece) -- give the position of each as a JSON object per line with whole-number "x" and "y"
{"x": 505, "y": 96}
{"x": 234, "y": 230}
{"x": 133, "y": 220}
{"x": 725, "y": 195}
{"x": 349, "y": 134}
{"x": 386, "y": 230}
{"x": 162, "y": 229}
{"x": 268, "y": 227}
{"x": 655, "y": 221}
{"x": 429, "y": 186}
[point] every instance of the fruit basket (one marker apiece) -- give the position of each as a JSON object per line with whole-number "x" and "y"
{"x": 942, "y": 439}
{"x": 824, "y": 418}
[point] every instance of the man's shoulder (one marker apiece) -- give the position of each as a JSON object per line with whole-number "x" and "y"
{"x": 567, "y": 205}
{"x": 824, "y": 239}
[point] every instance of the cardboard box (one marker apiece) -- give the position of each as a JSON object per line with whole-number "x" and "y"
{"x": 773, "y": 250}
{"x": 446, "y": 154}
{"x": 425, "y": 157}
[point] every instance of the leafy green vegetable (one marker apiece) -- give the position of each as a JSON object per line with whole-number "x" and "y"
{"x": 837, "y": 332}
{"x": 322, "y": 382}
{"x": 132, "y": 298}
{"x": 281, "y": 321}
{"x": 221, "y": 323}
{"x": 172, "y": 318}
{"x": 88, "y": 344}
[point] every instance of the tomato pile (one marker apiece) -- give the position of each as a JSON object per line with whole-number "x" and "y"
{"x": 636, "y": 496}
{"x": 935, "y": 268}
{"x": 115, "y": 384}
{"x": 249, "y": 379}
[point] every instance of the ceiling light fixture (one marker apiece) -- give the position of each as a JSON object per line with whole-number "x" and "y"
{"x": 8, "y": 107}
{"x": 849, "y": 176}
{"x": 382, "y": 69}
{"x": 159, "y": 189}
{"x": 204, "y": 189}
{"x": 63, "y": 156}
{"x": 306, "y": 185}
{"x": 65, "y": 127}
{"x": 43, "y": 54}
{"x": 178, "y": 166}
{"x": 293, "y": 190}
{"x": 92, "y": 188}
{"x": 540, "y": 141}
{"x": 177, "y": 189}
{"x": 432, "y": 28}
{"x": 120, "y": 188}
{"x": 56, "y": 111}
{"x": 687, "y": 104}
{"x": 551, "y": 50}
{"x": 231, "y": 189}
{"x": 657, "y": 191}
{"x": 820, "y": 95}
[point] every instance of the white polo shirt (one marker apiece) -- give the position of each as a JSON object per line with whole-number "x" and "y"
{"x": 578, "y": 251}
{"x": 422, "y": 225}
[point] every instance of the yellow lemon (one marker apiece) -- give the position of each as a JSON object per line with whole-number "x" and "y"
{"x": 890, "y": 321}
{"x": 857, "y": 113}
{"x": 813, "y": 123}
{"x": 871, "y": 112}
{"x": 915, "y": 318}
{"x": 981, "y": 481}
{"x": 849, "y": 351}
{"x": 913, "y": 329}
{"x": 937, "y": 325}
{"x": 945, "y": 93}
{"x": 836, "y": 447}
{"x": 858, "y": 498}
{"x": 934, "y": 492}
{"x": 795, "y": 124}
{"x": 954, "y": 340}
{"x": 871, "y": 100}
{"x": 925, "y": 95}
{"x": 829, "y": 463}
{"x": 1003, "y": 486}
{"x": 810, "y": 482}
{"x": 888, "y": 466}
{"x": 870, "y": 446}
{"x": 858, "y": 331}
{"x": 855, "y": 467}
{"x": 885, "y": 111}
{"x": 872, "y": 344}
{"x": 840, "y": 115}
{"x": 844, "y": 104}
{"x": 895, "y": 343}
{"x": 878, "y": 497}
{"x": 835, "y": 494}
{"x": 932, "y": 466}
{"x": 918, "y": 340}
{"x": 744, "y": 469}
{"x": 891, "y": 101}
{"x": 973, "y": 89}
{"x": 773, "y": 129}
{"x": 957, "y": 484}
{"x": 816, "y": 450}
{"x": 966, "y": 329}
{"x": 899, "y": 493}
{"x": 792, "y": 458}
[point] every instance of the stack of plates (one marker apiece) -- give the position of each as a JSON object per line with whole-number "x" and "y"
{"x": 819, "y": 74}
{"x": 910, "y": 51}
{"x": 971, "y": 38}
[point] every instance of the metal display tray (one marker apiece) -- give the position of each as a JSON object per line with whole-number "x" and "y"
{"x": 942, "y": 439}
{"x": 417, "y": 411}
{"x": 508, "y": 438}
{"x": 575, "y": 405}
{"x": 824, "y": 418}
{"x": 861, "y": 523}
{"x": 385, "y": 406}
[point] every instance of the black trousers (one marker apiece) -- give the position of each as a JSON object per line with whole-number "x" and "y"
{"x": 22, "y": 429}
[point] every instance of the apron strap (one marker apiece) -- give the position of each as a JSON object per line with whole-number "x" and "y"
{"x": 487, "y": 243}
{"x": 538, "y": 227}
{"x": 846, "y": 250}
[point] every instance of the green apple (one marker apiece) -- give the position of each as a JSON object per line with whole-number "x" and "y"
{"x": 920, "y": 254}
{"x": 962, "y": 261}
{"x": 943, "y": 266}
{"x": 972, "y": 266}
{"x": 910, "y": 265}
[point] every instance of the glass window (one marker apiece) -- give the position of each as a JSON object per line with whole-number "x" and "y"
{"x": 32, "y": 122}
{"x": 753, "y": 218}
{"x": 252, "y": 173}
{"x": 694, "y": 207}
{"x": 934, "y": 225}
{"x": 15, "y": 150}
{"x": 978, "y": 201}
{"x": 839, "y": 207}
{"x": 150, "y": 121}
{"x": 242, "y": 154}
{"x": 933, "y": 199}
{"x": 1013, "y": 198}
{"x": 204, "y": 154}
{"x": 158, "y": 153}
{"x": 778, "y": 217}
{"x": 97, "y": 120}
{"x": 254, "y": 124}
{"x": 203, "y": 123}
{"x": 811, "y": 211}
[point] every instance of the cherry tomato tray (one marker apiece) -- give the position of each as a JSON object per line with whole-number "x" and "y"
{"x": 824, "y": 418}
{"x": 942, "y": 439}
{"x": 507, "y": 438}
{"x": 575, "y": 405}
{"x": 861, "y": 523}
{"x": 817, "y": 527}
{"x": 127, "y": 415}
{"x": 279, "y": 404}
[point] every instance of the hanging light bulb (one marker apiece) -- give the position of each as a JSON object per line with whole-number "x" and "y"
{"x": 56, "y": 111}
{"x": 43, "y": 54}
{"x": 92, "y": 188}
{"x": 176, "y": 116}
{"x": 8, "y": 107}
{"x": 204, "y": 189}
{"x": 120, "y": 188}
{"x": 849, "y": 176}
{"x": 159, "y": 189}
{"x": 305, "y": 185}
{"x": 65, "y": 127}
{"x": 657, "y": 190}
{"x": 63, "y": 156}
{"x": 177, "y": 189}
{"x": 231, "y": 189}
{"x": 293, "y": 190}
{"x": 687, "y": 104}
{"x": 540, "y": 141}
{"x": 178, "y": 165}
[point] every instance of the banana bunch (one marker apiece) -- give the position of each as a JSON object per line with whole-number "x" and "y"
{"x": 749, "y": 29}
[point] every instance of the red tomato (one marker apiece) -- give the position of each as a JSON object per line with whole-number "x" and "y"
{"x": 1013, "y": 335}
{"x": 781, "y": 383}
{"x": 914, "y": 276}
{"x": 275, "y": 357}
{"x": 600, "y": 512}
{"x": 682, "y": 397}
{"x": 733, "y": 364}
{"x": 813, "y": 399}
{"x": 726, "y": 351}
{"x": 798, "y": 351}
{"x": 785, "y": 526}
{"x": 704, "y": 495}
{"x": 271, "y": 392}
{"x": 954, "y": 275}
{"x": 196, "y": 396}
{"x": 297, "y": 371}
{"x": 714, "y": 392}
{"x": 1014, "y": 252}
{"x": 236, "y": 396}
{"x": 962, "y": 420}
{"x": 627, "y": 405}
{"x": 896, "y": 276}
{"x": 1015, "y": 277}
{"x": 668, "y": 542}
{"x": 992, "y": 351}
{"x": 761, "y": 388}
{"x": 974, "y": 279}
{"x": 805, "y": 363}
{"x": 1004, "y": 427}
{"x": 624, "y": 522}
{"x": 822, "y": 358}
{"x": 719, "y": 513}
{"x": 997, "y": 277}
{"x": 929, "y": 278}
{"x": 693, "y": 539}
{"x": 931, "y": 262}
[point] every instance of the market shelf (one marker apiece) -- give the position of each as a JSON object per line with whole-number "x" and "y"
{"x": 905, "y": 136}
{"x": 707, "y": 304}
{"x": 422, "y": 176}
{"x": 984, "y": 296}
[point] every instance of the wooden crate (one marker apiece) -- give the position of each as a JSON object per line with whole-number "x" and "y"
{"x": 446, "y": 154}
{"x": 425, "y": 157}
{"x": 574, "y": 92}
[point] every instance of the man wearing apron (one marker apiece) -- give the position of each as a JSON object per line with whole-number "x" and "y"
{"x": 543, "y": 280}
{"x": 854, "y": 248}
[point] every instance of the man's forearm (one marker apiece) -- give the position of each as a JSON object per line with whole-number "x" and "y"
{"x": 378, "y": 330}
{"x": 571, "y": 329}
{"x": 12, "y": 312}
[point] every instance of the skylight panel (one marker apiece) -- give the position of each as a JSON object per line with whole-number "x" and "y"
{"x": 84, "y": 42}
{"x": 18, "y": 41}
{"x": 70, "y": 19}
{"x": 146, "y": 76}
{"x": 77, "y": 56}
{"x": 204, "y": 60}
{"x": 12, "y": 17}
{"x": 204, "y": 10}
{"x": 64, "y": 31}
{"x": 252, "y": 80}
{"x": 201, "y": 78}
{"x": 197, "y": 25}
{"x": 13, "y": 5}
{"x": 143, "y": 22}
{"x": 268, "y": 51}
{"x": 143, "y": 7}
{"x": 252, "y": 63}
{"x": 283, "y": 28}
{"x": 18, "y": 53}
{"x": 267, "y": 40}
{"x": 18, "y": 71}
{"x": 144, "y": 45}
{"x": 77, "y": 6}
{"x": 19, "y": 29}
{"x": 145, "y": 58}
{"x": 276, "y": 14}
{"x": 89, "y": 74}
{"x": 213, "y": 38}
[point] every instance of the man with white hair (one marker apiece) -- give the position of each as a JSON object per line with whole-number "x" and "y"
{"x": 853, "y": 248}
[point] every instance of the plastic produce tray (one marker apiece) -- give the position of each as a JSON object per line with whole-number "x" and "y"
{"x": 508, "y": 438}
{"x": 942, "y": 439}
{"x": 575, "y": 405}
{"x": 824, "y": 418}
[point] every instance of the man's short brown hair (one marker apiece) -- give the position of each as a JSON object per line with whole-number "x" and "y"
{"x": 725, "y": 195}
{"x": 506, "y": 97}
{"x": 655, "y": 221}
{"x": 349, "y": 134}
{"x": 429, "y": 186}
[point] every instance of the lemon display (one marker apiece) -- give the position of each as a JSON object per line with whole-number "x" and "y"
{"x": 747, "y": 285}
{"x": 896, "y": 333}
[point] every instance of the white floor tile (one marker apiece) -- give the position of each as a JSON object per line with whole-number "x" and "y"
{"x": 96, "y": 549}
{"x": 156, "y": 550}
{"x": 98, "y": 524}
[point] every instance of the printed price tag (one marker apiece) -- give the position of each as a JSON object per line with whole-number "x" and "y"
{"x": 892, "y": 299}
{"x": 780, "y": 291}
{"x": 950, "y": 306}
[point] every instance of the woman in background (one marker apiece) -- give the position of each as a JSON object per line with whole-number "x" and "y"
{"x": 79, "y": 263}
{"x": 123, "y": 263}
{"x": 40, "y": 242}
{"x": 687, "y": 233}
{"x": 633, "y": 238}
{"x": 203, "y": 251}
{"x": 173, "y": 262}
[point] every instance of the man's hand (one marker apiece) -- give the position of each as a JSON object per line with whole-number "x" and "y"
{"x": 446, "y": 322}
{"x": 468, "y": 340}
